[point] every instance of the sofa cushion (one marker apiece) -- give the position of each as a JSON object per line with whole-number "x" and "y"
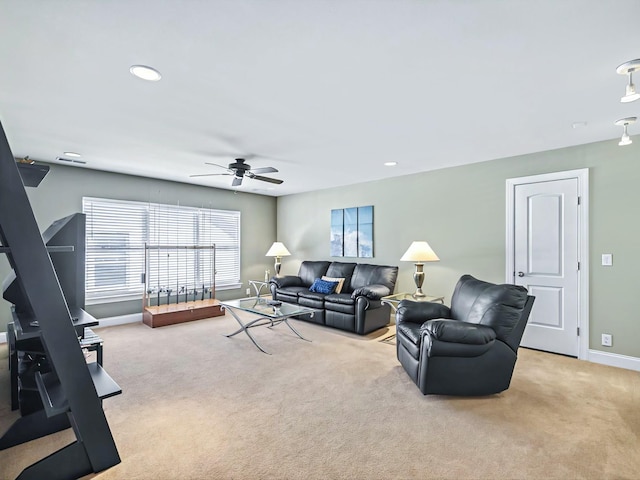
{"x": 317, "y": 301}
{"x": 312, "y": 295}
{"x": 310, "y": 270}
{"x": 289, "y": 294}
{"x": 365, "y": 274}
{"x": 340, "y": 298}
{"x": 340, "y": 302}
{"x": 496, "y": 306}
{"x": 323, "y": 286}
{"x": 342, "y": 270}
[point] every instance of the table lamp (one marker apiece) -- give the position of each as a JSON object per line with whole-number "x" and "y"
{"x": 277, "y": 250}
{"x": 419, "y": 252}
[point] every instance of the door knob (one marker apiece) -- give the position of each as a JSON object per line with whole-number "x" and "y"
{"x": 521, "y": 274}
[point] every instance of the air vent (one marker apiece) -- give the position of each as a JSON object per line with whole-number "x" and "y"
{"x": 70, "y": 160}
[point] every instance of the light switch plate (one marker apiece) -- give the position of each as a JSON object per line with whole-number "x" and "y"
{"x": 607, "y": 259}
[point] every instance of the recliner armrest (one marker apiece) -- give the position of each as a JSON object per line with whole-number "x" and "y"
{"x": 372, "y": 292}
{"x": 419, "y": 312}
{"x": 287, "y": 281}
{"x": 455, "y": 331}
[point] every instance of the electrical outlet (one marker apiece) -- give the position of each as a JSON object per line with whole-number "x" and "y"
{"x": 607, "y": 340}
{"x": 248, "y": 292}
{"x": 607, "y": 259}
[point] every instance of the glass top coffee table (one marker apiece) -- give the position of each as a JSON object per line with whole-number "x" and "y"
{"x": 269, "y": 314}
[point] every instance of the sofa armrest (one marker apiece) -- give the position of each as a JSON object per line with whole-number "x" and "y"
{"x": 455, "y": 331}
{"x": 372, "y": 292}
{"x": 419, "y": 312}
{"x": 287, "y": 281}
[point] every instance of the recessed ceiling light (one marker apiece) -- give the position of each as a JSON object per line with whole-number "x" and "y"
{"x": 145, "y": 73}
{"x": 390, "y": 164}
{"x": 579, "y": 125}
{"x": 72, "y": 154}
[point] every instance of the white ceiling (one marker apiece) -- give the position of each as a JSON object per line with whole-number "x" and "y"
{"x": 325, "y": 91}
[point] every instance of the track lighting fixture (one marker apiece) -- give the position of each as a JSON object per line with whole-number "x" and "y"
{"x": 628, "y": 68}
{"x": 625, "y": 122}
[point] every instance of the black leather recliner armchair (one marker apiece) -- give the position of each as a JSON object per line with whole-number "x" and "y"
{"x": 468, "y": 349}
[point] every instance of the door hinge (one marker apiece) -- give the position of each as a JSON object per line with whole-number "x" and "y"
{"x": 578, "y": 265}
{"x": 579, "y": 200}
{"x": 578, "y": 331}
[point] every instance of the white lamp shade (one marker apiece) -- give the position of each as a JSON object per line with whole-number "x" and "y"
{"x": 420, "y": 252}
{"x": 277, "y": 250}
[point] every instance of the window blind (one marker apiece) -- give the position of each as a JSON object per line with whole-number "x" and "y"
{"x": 117, "y": 232}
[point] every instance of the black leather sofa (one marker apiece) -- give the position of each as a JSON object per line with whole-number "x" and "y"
{"x": 468, "y": 349}
{"x": 357, "y": 308}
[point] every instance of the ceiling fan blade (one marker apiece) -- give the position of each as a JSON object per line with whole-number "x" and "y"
{"x": 218, "y": 165}
{"x": 277, "y": 181}
{"x": 236, "y": 181}
{"x": 209, "y": 174}
{"x": 264, "y": 170}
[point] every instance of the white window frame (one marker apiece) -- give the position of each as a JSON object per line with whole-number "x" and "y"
{"x": 128, "y": 223}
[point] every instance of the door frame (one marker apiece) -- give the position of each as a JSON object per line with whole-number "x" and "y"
{"x": 582, "y": 175}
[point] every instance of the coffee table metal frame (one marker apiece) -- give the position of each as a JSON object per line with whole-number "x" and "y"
{"x": 267, "y": 315}
{"x": 258, "y": 285}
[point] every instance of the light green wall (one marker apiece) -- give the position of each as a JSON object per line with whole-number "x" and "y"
{"x": 461, "y": 212}
{"x": 60, "y": 194}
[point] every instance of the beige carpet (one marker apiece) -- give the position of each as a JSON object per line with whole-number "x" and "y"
{"x": 198, "y": 405}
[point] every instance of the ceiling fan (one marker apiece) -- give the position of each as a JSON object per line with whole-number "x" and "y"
{"x": 239, "y": 169}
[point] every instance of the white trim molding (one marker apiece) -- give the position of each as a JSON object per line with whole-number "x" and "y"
{"x": 119, "y": 320}
{"x": 614, "y": 360}
{"x": 582, "y": 175}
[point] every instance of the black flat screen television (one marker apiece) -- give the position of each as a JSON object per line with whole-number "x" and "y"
{"x": 68, "y": 264}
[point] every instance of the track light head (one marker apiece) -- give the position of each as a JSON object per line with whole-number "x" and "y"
{"x": 628, "y": 68}
{"x": 624, "y": 123}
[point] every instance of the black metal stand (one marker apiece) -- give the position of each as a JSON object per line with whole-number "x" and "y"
{"x": 69, "y": 392}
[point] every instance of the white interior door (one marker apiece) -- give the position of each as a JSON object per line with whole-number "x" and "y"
{"x": 546, "y": 262}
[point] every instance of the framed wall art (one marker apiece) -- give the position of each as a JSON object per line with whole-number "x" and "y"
{"x": 352, "y": 232}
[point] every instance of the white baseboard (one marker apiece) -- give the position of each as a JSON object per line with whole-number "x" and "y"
{"x": 614, "y": 360}
{"x": 120, "y": 320}
{"x": 3, "y": 337}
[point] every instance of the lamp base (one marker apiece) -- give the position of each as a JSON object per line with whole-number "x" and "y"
{"x": 418, "y": 277}
{"x": 277, "y": 266}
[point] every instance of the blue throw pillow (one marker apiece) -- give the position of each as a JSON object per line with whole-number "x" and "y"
{"x": 323, "y": 286}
